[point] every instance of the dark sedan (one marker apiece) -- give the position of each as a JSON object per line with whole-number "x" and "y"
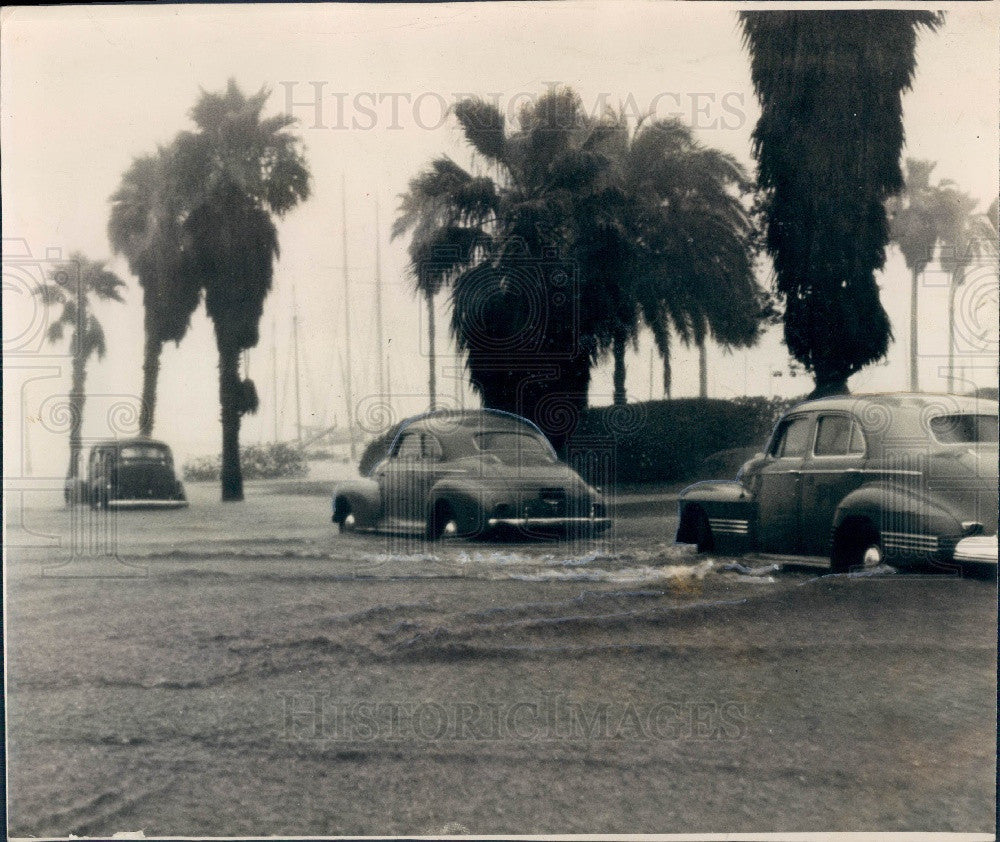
{"x": 132, "y": 473}
{"x": 470, "y": 473}
{"x": 863, "y": 479}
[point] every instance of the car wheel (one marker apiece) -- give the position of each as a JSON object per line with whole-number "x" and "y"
{"x": 345, "y": 520}
{"x": 703, "y": 532}
{"x": 441, "y": 521}
{"x": 856, "y": 546}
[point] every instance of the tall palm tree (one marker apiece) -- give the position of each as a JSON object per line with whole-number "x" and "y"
{"x": 147, "y": 226}
{"x": 916, "y": 221}
{"x": 237, "y": 170}
{"x": 966, "y": 237}
{"x": 508, "y": 247}
{"x": 827, "y": 144}
{"x": 73, "y": 285}
{"x": 693, "y": 243}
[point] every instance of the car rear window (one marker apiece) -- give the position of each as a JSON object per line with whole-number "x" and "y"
{"x": 145, "y": 453}
{"x": 965, "y": 428}
{"x": 511, "y": 447}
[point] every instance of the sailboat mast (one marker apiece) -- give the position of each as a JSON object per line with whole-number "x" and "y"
{"x": 378, "y": 305}
{"x": 295, "y": 352}
{"x": 347, "y": 318}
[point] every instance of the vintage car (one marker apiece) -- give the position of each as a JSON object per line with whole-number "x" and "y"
{"x": 132, "y": 473}
{"x": 862, "y": 479}
{"x": 469, "y": 474}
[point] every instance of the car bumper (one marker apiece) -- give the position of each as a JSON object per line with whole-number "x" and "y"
{"x": 979, "y": 549}
{"x": 551, "y": 524}
{"x": 146, "y": 504}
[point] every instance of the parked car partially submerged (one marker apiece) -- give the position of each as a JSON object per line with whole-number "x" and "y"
{"x": 469, "y": 474}
{"x": 864, "y": 479}
{"x": 131, "y": 473}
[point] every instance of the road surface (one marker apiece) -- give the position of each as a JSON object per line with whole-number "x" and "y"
{"x": 243, "y": 670}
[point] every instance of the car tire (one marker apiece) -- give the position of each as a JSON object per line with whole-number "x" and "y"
{"x": 704, "y": 540}
{"x": 437, "y": 522}
{"x": 344, "y": 518}
{"x": 857, "y": 545}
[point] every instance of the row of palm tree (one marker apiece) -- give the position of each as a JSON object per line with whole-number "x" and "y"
{"x": 195, "y": 220}
{"x": 572, "y": 233}
{"x": 938, "y": 220}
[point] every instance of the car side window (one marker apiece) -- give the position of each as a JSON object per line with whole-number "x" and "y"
{"x": 858, "y": 445}
{"x": 794, "y": 438}
{"x": 409, "y": 449}
{"x": 833, "y": 436}
{"x": 432, "y": 451}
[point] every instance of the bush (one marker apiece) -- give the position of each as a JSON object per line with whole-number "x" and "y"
{"x": 265, "y": 461}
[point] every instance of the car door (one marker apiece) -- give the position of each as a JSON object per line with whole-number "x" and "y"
{"x": 397, "y": 479}
{"x": 831, "y": 471}
{"x": 779, "y": 528}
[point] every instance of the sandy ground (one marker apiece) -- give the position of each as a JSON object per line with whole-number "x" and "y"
{"x": 241, "y": 669}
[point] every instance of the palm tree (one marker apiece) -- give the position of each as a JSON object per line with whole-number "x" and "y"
{"x": 827, "y": 145}
{"x": 916, "y": 220}
{"x": 508, "y": 248}
{"x": 147, "y": 226}
{"x": 237, "y": 170}
{"x": 73, "y": 285}
{"x": 646, "y": 226}
{"x": 966, "y": 237}
{"x": 693, "y": 243}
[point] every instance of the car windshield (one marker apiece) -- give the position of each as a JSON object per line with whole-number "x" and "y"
{"x": 964, "y": 429}
{"x": 514, "y": 448}
{"x": 144, "y": 453}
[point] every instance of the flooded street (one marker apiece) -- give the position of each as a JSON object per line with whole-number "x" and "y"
{"x": 243, "y": 669}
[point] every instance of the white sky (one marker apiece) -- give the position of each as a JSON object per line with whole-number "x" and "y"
{"x": 84, "y": 90}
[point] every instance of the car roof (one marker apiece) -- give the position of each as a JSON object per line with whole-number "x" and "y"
{"x": 469, "y": 420}
{"x": 919, "y": 401}
{"x": 107, "y": 444}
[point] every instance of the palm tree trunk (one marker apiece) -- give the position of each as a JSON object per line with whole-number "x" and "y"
{"x": 951, "y": 334}
{"x": 229, "y": 401}
{"x": 76, "y": 400}
{"x": 150, "y": 377}
{"x": 668, "y": 375}
{"x": 618, "y": 349}
{"x": 914, "y": 287}
{"x": 702, "y": 370}
{"x": 432, "y": 355}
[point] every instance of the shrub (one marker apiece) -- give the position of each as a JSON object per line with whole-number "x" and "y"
{"x": 264, "y": 461}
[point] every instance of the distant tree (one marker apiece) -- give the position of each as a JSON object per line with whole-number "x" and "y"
{"x": 827, "y": 144}
{"x": 917, "y": 217}
{"x": 73, "y": 286}
{"x": 237, "y": 170}
{"x": 146, "y": 224}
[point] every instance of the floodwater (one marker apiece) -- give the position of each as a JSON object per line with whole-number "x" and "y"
{"x": 238, "y": 669}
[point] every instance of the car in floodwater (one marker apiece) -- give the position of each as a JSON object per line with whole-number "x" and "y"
{"x": 861, "y": 479}
{"x": 131, "y": 474}
{"x": 470, "y": 474}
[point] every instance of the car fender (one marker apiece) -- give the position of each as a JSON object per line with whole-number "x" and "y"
{"x": 364, "y": 498}
{"x": 471, "y": 499}
{"x": 728, "y": 502}
{"x": 894, "y": 508}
